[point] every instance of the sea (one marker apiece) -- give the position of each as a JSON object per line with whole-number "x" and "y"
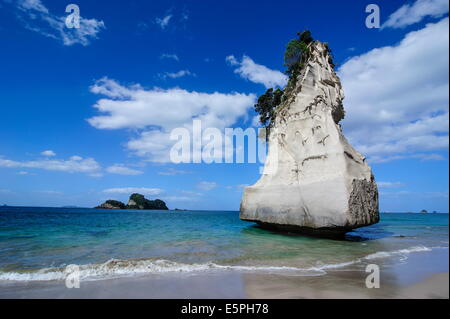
{"x": 37, "y": 244}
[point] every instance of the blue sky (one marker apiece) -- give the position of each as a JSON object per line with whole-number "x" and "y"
{"x": 83, "y": 110}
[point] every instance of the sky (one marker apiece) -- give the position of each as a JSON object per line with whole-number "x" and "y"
{"x": 86, "y": 113}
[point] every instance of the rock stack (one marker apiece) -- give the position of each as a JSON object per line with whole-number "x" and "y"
{"x": 313, "y": 181}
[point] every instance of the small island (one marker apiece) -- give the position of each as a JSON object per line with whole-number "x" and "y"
{"x": 136, "y": 201}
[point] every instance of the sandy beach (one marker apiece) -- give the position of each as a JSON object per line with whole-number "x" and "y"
{"x": 342, "y": 285}
{"x": 411, "y": 279}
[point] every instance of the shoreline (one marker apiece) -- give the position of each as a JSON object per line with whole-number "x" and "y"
{"x": 417, "y": 277}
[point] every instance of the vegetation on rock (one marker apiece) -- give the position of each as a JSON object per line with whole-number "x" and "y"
{"x": 112, "y": 204}
{"x": 266, "y": 106}
{"x": 295, "y": 56}
{"x": 136, "y": 201}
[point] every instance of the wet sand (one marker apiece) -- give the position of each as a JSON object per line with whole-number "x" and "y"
{"x": 342, "y": 285}
{"x": 421, "y": 276}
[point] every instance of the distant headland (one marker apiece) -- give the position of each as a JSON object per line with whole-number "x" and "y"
{"x": 136, "y": 201}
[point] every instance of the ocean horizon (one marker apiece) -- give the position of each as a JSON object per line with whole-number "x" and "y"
{"x": 194, "y": 210}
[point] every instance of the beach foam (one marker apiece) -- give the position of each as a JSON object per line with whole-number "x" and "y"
{"x": 115, "y": 268}
{"x": 400, "y": 252}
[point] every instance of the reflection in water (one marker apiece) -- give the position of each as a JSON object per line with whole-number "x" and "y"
{"x": 348, "y": 284}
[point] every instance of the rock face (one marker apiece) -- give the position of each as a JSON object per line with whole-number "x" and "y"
{"x": 136, "y": 201}
{"x": 112, "y": 204}
{"x": 313, "y": 181}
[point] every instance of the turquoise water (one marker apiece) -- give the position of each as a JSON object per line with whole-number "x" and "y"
{"x": 37, "y": 243}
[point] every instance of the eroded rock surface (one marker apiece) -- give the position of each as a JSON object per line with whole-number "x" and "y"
{"x": 313, "y": 181}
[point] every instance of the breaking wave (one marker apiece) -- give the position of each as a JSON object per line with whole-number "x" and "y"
{"x": 400, "y": 252}
{"x": 115, "y": 268}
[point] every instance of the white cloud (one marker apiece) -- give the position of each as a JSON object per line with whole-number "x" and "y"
{"x": 256, "y": 122}
{"x": 142, "y": 26}
{"x": 237, "y": 188}
{"x": 88, "y": 165}
{"x": 421, "y": 156}
{"x": 32, "y": 5}
{"x": 397, "y": 96}
{"x": 155, "y": 112}
{"x": 173, "y": 172}
{"x": 207, "y": 186}
{"x": 412, "y": 13}
{"x": 98, "y": 174}
{"x": 120, "y": 169}
{"x": 176, "y": 75}
{"x": 180, "y": 198}
{"x": 163, "y": 22}
{"x": 191, "y": 193}
{"x": 184, "y": 15}
{"x": 131, "y": 190}
{"x": 48, "y": 153}
{"x": 257, "y": 73}
{"x": 49, "y": 192}
{"x": 39, "y": 19}
{"x": 169, "y": 56}
{"x": 415, "y": 194}
{"x": 389, "y": 184}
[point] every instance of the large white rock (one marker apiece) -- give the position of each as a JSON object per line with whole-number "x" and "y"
{"x": 313, "y": 181}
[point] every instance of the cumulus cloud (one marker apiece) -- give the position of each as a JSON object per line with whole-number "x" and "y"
{"x": 131, "y": 190}
{"x": 191, "y": 193}
{"x": 169, "y": 56}
{"x": 257, "y": 73}
{"x": 389, "y": 184}
{"x": 412, "y": 13}
{"x": 155, "y": 112}
{"x": 180, "y": 198}
{"x": 48, "y": 153}
{"x": 49, "y": 192}
{"x": 173, "y": 172}
{"x": 415, "y": 194}
{"x": 420, "y": 156}
{"x": 164, "y": 21}
{"x": 207, "y": 186}
{"x": 397, "y": 96}
{"x": 36, "y": 17}
{"x": 238, "y": 188}
{"x": 176, "y": 75}
{"x": 88, "y": 165}
{"x": 120, "y": 169}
